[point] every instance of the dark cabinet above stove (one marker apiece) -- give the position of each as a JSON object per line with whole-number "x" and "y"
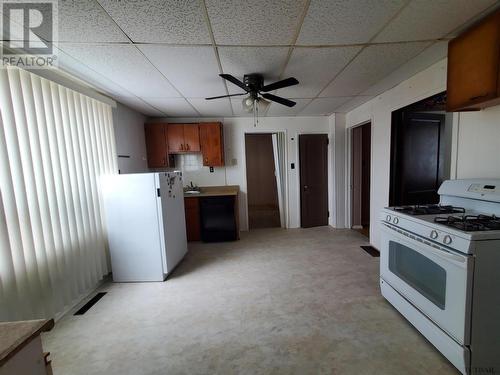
{"x": 474, "y": 67}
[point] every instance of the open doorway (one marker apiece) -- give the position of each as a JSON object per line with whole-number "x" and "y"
{"x": 262, "y": 189}
{"x": 420, "y": 151}
{"x": 360, "y": 178}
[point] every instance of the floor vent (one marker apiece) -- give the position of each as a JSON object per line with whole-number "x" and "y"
{"x": 90, "y": 303}
{"x": 371, "y": 250}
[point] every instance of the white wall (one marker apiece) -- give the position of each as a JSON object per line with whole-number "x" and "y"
{"x": 130, "y": 141}
{"x": 476, "y": 136}
{"x": 234, "y": 145}
{"x": 478, "y": 144}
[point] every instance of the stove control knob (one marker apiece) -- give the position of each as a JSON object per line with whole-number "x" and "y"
{"x": 388, "y": 218}
{"x": 447, "y": 240}
{"x": 434, "y": 234}
{"x": 395, "y": 220}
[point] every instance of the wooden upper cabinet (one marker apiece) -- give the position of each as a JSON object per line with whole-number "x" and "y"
{"x": 192, "y": 138}
{"x": 175, "y": 138}
{"x": 474, "y": 67}
{"x": 156, "y": 145}
{"x": 212, "y": 144}
{"x": 163, "y": 140}
{"x": 183, "y": 138}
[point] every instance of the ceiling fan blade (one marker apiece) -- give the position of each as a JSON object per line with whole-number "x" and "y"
{"x": 234, "y": 80}
{"x": 224, "y": 96}
{"x": 280, "y": 84}
{"x": 279, "y": 100}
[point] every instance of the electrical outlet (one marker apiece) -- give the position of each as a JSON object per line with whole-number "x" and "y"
{"x": 211, "y": 169}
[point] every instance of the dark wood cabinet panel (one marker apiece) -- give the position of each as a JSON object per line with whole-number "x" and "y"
{"x": 156, "y": 145}
{"x": 175, "y": 138}
{"x": 474, "y": 67}
{"x": 191, "y": 138}
{"x": 212, "y": 144}
{"x": 192, "y": 210}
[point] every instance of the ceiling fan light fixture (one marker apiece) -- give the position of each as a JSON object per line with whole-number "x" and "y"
{"x": 248, "y": 104}
{"x": 263, "y": 104}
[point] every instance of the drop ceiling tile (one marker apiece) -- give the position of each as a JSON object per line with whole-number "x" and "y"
{"x": 83, "y": 72}
{"x": 431, "y": 19}
{"x": 370, "y": 66}
{"x": 124, "y": 65}
{"x": 281, "y": 110}
{"x": 323, "y": 106}
{"x": 172, "y": 107}
{"x": 140, "y": 106}
{"x": 261, "y": 22}
{"x": 86, "y": 21}
{"x": 212, "y": 108}
{"x": 314, "y": 68}
{"x": 160, "y": 21}
{"x": 346, "y": 22}
{"x": 238, "y": 61}
{"x": 353, "y": 103}
{"x": 423, "y": 60}
{"x": 194, "y": 71}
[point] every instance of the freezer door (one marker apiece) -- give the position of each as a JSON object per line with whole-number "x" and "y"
{"x": 174, "y": 222}
{"x": 132, "y": 227}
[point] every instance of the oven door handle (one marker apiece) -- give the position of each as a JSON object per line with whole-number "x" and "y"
{"x": 434, "y": 249}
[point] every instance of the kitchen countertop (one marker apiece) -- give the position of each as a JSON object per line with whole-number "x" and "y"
{"x": 215, "y": 191}
{"x": 16, "y": 335}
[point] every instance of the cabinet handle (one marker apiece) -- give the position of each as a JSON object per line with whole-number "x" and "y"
{"x": 187, "y": 146}
{"x": 478, "y": 97}
{"x": 182, "y": 146}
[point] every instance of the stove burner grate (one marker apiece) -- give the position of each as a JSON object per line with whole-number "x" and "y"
{"x": 470, "y": 223}
{"x": 429, "y": 209}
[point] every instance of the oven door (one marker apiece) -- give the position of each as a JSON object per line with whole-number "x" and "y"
{"x": 434, "y": 279}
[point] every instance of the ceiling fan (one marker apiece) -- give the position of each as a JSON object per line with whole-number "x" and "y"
{"x": 254, "y": 87}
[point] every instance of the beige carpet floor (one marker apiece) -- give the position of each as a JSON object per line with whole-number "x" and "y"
{"x": 302, "y": 301}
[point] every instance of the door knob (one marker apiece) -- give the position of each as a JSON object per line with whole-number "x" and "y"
{"x": 306, "y": 187}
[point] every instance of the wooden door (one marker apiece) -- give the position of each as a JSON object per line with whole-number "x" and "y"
{"x": 212, "y": 144}
{"x": 313, "y": 154}
{"x": 175, "y": 138}
{"x": 192, "y": 210}
{"x": 191, "y": 138}
{"x": 417, "y": 161}
{"x": 156, "y": 146}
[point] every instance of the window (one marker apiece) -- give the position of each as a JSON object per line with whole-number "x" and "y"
{"x": 55, "y": 144}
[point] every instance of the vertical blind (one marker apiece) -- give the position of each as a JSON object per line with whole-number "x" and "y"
{"x": 55, "y": 144}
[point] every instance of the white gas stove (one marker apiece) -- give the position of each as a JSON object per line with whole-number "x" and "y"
{"x": 440, "y": 267}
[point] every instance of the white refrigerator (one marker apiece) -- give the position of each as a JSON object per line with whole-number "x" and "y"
{"x": 145, "y": 224}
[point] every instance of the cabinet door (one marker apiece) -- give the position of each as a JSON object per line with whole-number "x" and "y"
{"x": 191, "y": 138}
{"x": 156, "y": 147}
{"x": 473, "y": 66}
{"x": 212, "y": 144}
{"x": 175, "y": 138}
{"x": 192, "y": 210}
